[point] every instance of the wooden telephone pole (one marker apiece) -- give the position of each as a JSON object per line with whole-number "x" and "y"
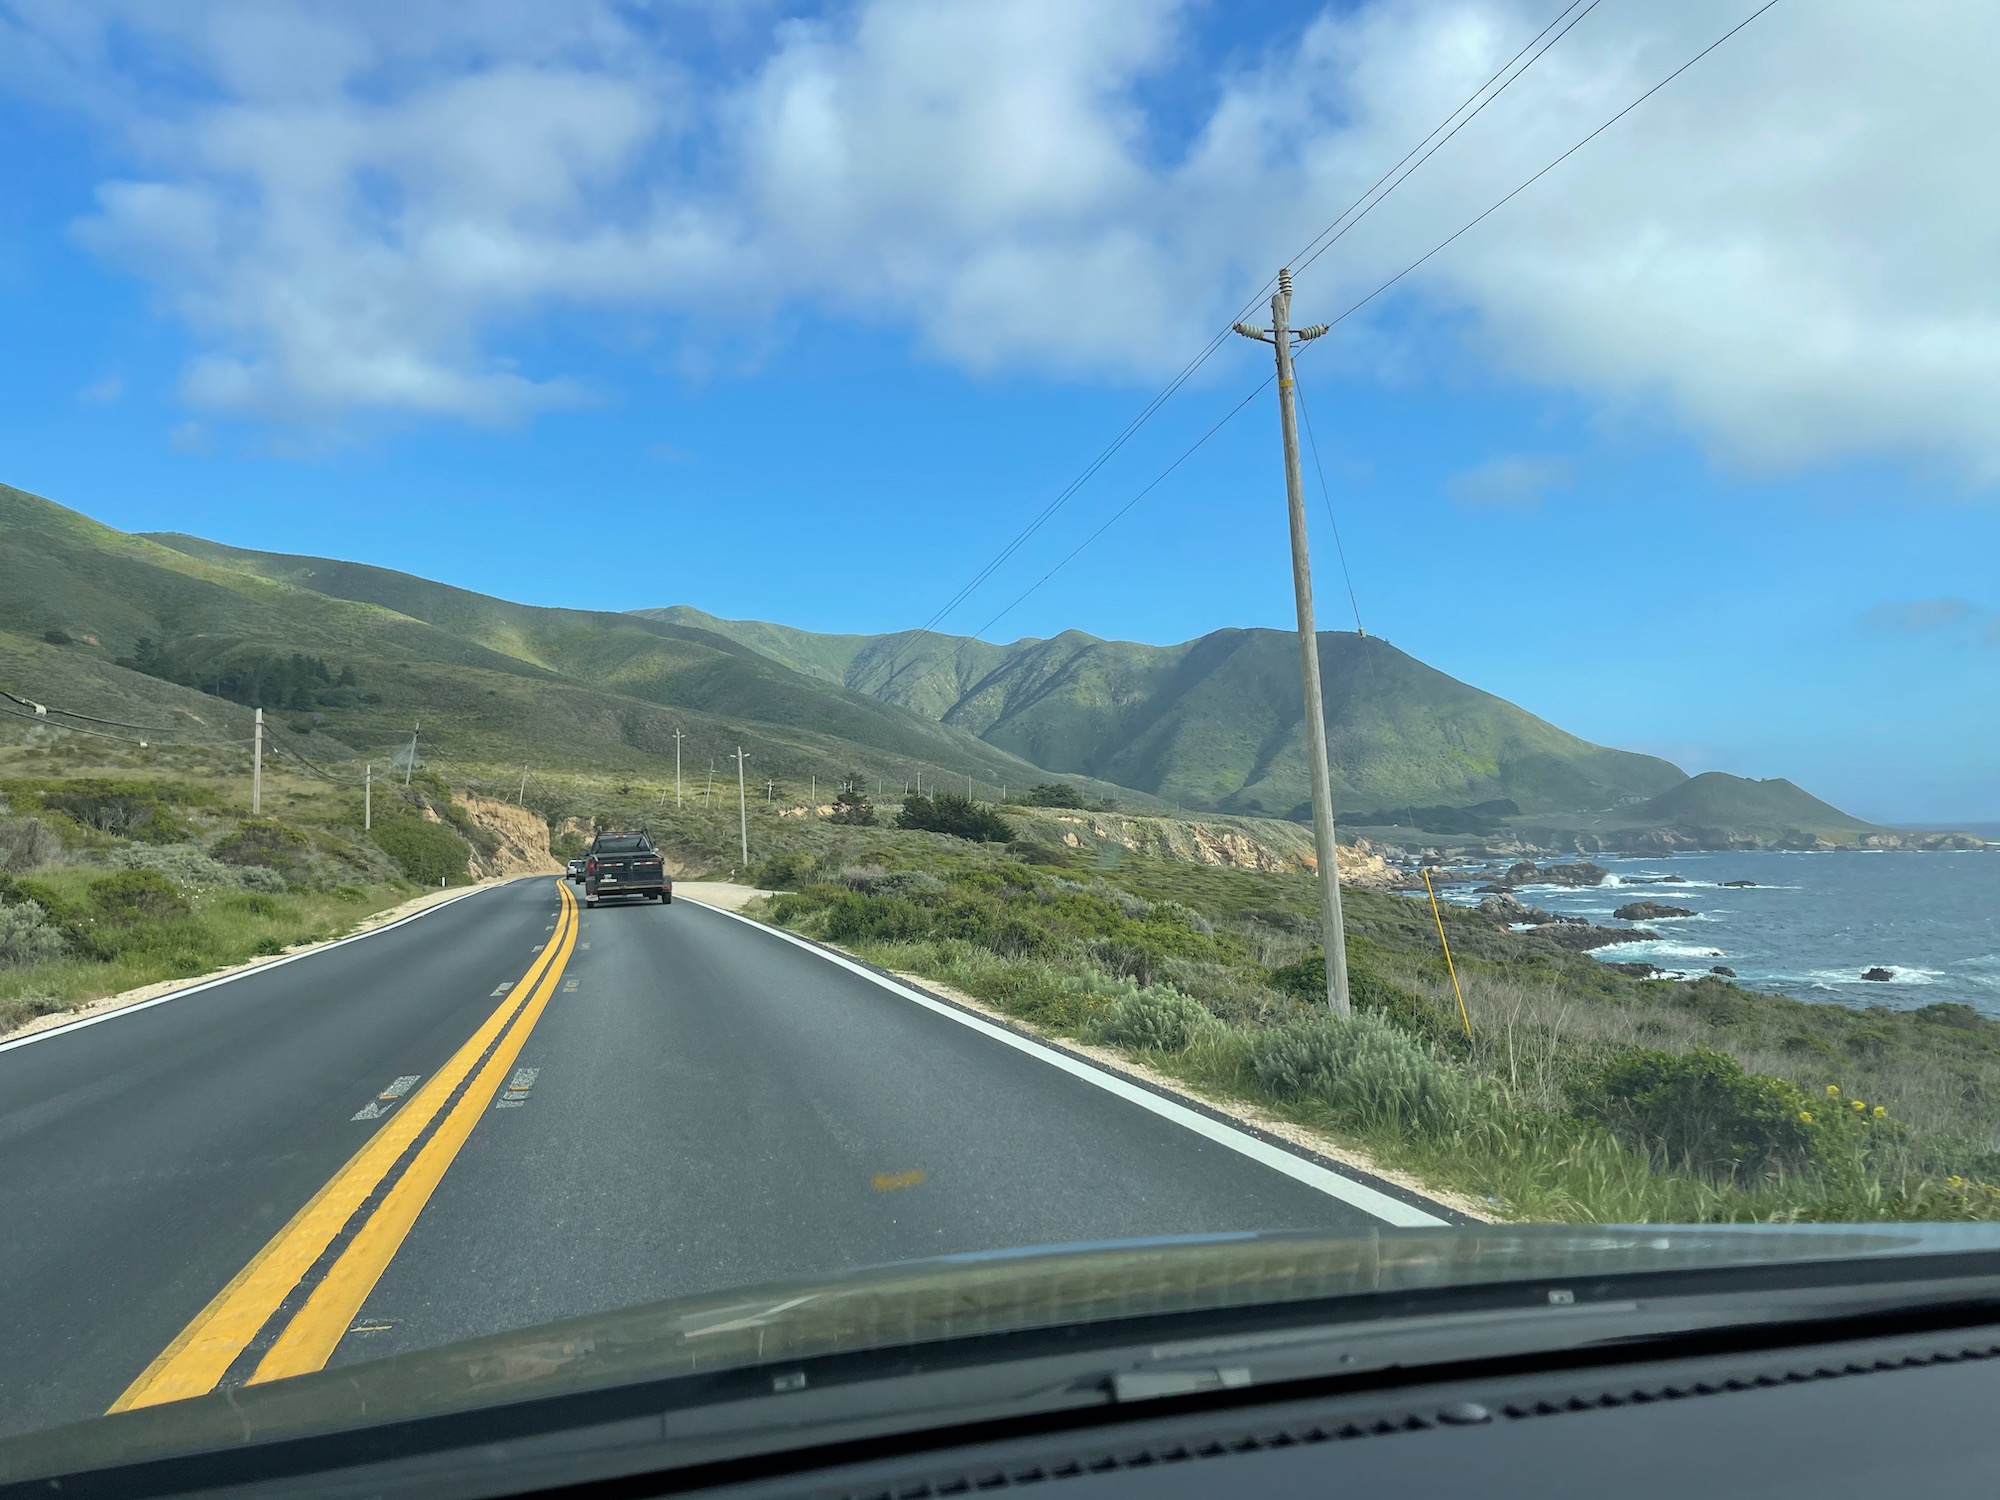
{"x": 1332, "y": 928}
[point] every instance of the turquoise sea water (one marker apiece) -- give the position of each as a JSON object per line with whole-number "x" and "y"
{"x": 1813, "y": 922}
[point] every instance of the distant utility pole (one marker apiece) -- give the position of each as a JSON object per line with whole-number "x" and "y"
{"x": 814, "y": 804}
{"x": 412, "y": 766}
{"x": 521, "y": 798}
{"x": 677, "y": 768}
{"x": 742, "y": 809}
{"x": 770, "y": 791}
{"x": 968, "y": 786}
{"x": 368, "y": 796}
{"x": 708, "y": 797}
{"x": 257, "y": 767}
{"x": 1332, "y": 930}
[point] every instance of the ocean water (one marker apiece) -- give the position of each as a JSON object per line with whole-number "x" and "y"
{"x": 1813, "y": 922}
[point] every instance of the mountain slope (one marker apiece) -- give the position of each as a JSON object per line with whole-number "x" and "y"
{"x": 492, "y": 681}
{"x": 1715, "y": 799}
{"x": 1217, "y": 723}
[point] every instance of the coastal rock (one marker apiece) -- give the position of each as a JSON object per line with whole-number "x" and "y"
{"x": 1653, "y": 880}
{"x": 1737, "y": 885}
{"x": 1649, "y": 911}
{"x": 1510, "y": 910}
{"x": 1577, "y": 873}
{"x": 1581, "y": 937}
{"x": 1637, "y": 970}
{"x": 1724, "y": 970}
{"x": 1879, "y": 974}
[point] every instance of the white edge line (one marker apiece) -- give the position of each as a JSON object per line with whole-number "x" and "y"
{"x": 1333, "y": 1184}
{"x": 263, "y": 968}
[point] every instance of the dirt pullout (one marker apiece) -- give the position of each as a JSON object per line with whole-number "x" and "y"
{"x": 167, "y": 986}
{"x": 719, "y": 893}
{"x": 523, "y": 847}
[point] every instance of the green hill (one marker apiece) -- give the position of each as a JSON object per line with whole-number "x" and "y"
{"x": 492, "y": 681}
{"x": 1216, "y": 722}
{"x": 1715, "y": 799}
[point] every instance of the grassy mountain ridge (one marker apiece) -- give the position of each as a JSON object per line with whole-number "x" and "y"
{"x": 1718, "y": 800}
{"x": 1216, "y": 722}
{"x": 491, "y": 680}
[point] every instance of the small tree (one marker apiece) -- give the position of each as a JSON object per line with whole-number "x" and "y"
{"x": 851, "y": 804}
{"x": 961, "y": 817}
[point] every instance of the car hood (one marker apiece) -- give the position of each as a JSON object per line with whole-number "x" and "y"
{"x": 947, "y": 1298}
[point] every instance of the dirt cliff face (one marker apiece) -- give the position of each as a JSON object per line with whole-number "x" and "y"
{"x": 1259, "y": 844}
{"x": 522, "y": 838}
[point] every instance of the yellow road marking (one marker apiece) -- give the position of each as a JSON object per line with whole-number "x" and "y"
{"x": 888, "y": 1182}
{"x": 202, "y": 1352}
{"x": 311, "y": 1337}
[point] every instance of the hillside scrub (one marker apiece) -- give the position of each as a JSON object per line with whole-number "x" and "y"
{"x": 1581, "y": 1094}
{"x": 116, "y": 876}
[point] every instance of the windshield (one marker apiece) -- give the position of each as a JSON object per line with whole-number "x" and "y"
{"x": 878, "y": 675}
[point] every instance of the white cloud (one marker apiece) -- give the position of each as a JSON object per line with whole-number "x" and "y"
{"x": 1788, "y": 251}
{"x": 1514, "y": 481}
{"x": 103, "y": 392}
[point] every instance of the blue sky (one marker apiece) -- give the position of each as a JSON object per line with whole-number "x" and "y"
{"x": 802, "y": 315}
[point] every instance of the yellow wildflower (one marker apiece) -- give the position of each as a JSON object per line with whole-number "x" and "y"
{"x": 1833, "y": 1088}
{"x": 1881, "y": 1113}
{"x": 1805, "y": 1117}
{"x": 1860, "y": 1106}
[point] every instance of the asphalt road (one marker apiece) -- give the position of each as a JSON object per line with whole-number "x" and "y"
{"x": 596, "y": 1109}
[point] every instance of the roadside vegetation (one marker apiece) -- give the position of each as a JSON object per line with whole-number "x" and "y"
{"x": 1565, "y": 1091}
{"x": 121, "y": 866}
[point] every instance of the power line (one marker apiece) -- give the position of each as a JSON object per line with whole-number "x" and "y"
{"x": 1385, "y": 286}
{"x": 70, "y": 713}
{"x": 1326, "y": 498}
{"x": 1314, "y": 248}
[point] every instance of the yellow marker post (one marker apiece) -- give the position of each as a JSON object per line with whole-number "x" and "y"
{"x": 1451, "y": 968}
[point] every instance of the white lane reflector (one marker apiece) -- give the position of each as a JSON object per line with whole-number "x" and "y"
{"x": 569, "y": 984}
{"x": 500, "y": 989}
{"x": 385, "y": 1101}
{"x": 516, "y": 1093}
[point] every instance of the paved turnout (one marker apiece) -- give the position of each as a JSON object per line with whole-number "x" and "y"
{"x": 509, "y": 1110}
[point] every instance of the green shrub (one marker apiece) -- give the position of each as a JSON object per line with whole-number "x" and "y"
{"x": 784, "y": 872}
{"x": 1155, "y": 1020}
{"x": 1703, "y": 1112}
{"x": 1372, "y": 1075}
{"x": 961, "y": 817}
{"x": 130, "y": 809}
{"x": 27, "y": 936}
{"x": 429, "y": 853}
{"x": 851, "y": 805}
{"x": 260, "y": 842}
{"x": 1369, "y": 992}
{"x": 879, "y": 882}
{"x": 132, "y": 897}
{"x": 875, "y": 919}
{"x": 1052, "y": 794}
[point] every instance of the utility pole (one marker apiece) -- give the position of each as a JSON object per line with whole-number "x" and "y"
{"x": 368, "y": 796}
{"x": 742, "y": 810}
{"x": 814, "y": 804}
{"x": 412, "y": 766}
{"x": 1332, "y": 930}
{"x": 521, "y": 798}
{"x": 677, "y": 768}
{"x": 257, "y": 767}
{"x": 770, "y": 791}
{"x": 708, "y": 797}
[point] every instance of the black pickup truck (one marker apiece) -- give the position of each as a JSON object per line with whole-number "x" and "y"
{"x": 625, "y": 864}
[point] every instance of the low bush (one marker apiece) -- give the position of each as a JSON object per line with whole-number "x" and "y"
{"x": 27, "y": 936}
{"x": 784, "y": 872}
{"x": 129, "y": 809}
{"x": 1703, "y": 1112}
{"x": 1370, "y": 1074}
{"x": 429, "y": 853}
{"x": 1052, "y": 794}
{"x": 1155, "y": 1020}
{"x": 961, "y": 817}
{"x": 260, "y": 842}
{"x": 132, "y": 897}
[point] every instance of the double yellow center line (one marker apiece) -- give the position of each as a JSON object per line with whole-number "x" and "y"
{"x": 302, "y": 1291}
